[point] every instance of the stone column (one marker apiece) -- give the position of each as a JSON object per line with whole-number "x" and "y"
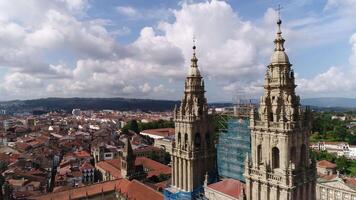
{"x": 284, "y": 194}
{"x": 256, "y": 190}
{"x": 190, "y": 188}
{"x": 184, "y": 174}
{"x": 273, "y": 192}
{"x": 181, "y": 173}
{"x": 178, "y": 172}
{"x": 174, "y": 175}
{"x": 248, "y": 189}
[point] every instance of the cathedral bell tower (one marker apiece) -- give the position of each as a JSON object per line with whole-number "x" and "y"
{"x": 280, "y": 167}
{"x": 194, "y": 152}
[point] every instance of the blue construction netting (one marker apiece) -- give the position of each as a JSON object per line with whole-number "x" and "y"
{"x": 234, "y": 143}
{"x": 180, "y": 195}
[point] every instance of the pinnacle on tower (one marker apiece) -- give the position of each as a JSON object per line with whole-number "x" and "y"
{"x": 194, "y": 70}
{"x": 279, "y": 56}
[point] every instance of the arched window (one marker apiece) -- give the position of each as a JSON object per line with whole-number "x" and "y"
{"x": 197, "y": 140}
{"x": 275, "y": 157}
{"x": 185, "y": 141}
{"x": 293, "y": 157}
{"x": 303, "y": 154}
{"x": 271, "y": 116}
{"x": 178, "y": 138}
{"x": 259, "y": 154}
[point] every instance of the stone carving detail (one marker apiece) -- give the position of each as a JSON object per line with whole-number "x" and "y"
{"x": 280, "y": 127}
{"x": 192, "y": 117}
{"x": 275, "y": 141}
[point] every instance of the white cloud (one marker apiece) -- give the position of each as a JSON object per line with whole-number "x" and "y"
{"x": 127, "y": 11}
{"x": 145, "y": 88}
{"x": 232, "y": 52}
{"x": 334, "y": 81}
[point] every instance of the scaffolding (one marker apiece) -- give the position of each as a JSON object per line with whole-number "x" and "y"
{"x": 234, "y": 140}
{"x": 172, "y": 194}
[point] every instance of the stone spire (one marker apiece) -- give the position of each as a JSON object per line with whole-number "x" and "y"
{"x": 194, "y": 70}
{"x": 193, "y": 101}
{"x": 279, "y": 56}
{"x": 128, "y": 161}
{"x": 279, "y": 102}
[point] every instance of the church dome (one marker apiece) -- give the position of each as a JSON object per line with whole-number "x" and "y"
{"x": 193, "y": 71}
{"x": 279, "y": 57}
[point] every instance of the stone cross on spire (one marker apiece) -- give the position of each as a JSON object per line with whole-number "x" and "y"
{"x": 279, "y": 41}
{"x": 278, "y": 9}
{"x": 193, "y": 70}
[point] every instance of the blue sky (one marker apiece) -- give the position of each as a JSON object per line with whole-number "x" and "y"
{"x": 141, "y": 49}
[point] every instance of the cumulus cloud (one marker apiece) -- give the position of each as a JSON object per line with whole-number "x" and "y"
{"x": 335, "y": 80}
{"x": 232, "y": 52}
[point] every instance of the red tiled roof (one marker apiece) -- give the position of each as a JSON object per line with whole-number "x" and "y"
{"x": 86, "y": 165}
{"x": 82, "y": 154}
{"x": 81, "y": 192}
{"x": 146, "y": 148}
{"x": 350, "y": 181}
{"x": 139, "y": 191}
{"x": 115, "y": 162}
{"x": 112, "y": 170}
{"x": 326, "y": 164}
{"x": 333, "y": 143}
{"x": 135, "y": 190}
{"x": 155, "y": 168}
{"x": 229, "y": 187}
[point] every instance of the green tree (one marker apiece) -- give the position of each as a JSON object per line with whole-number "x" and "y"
{"x": 134, "y": 126}
{"x": 167, "y": 158}
{"x": 97, "y": 176}
{"x": 343, "y": 164}
{"x": 154, "y": 156}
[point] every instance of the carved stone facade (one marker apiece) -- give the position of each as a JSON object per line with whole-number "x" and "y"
{"x": 334, "y": 189}
{"x": 193, "y": 152}
{"x": 280, "y": 167}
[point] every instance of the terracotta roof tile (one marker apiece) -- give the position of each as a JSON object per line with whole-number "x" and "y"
{"x": 326, "y": 164}
{"x": 155, "y": 168}
{"x": 135, "y": 190}
{"x": 81, "y": 192}
{"x": 139, "y": 191}
{"x": 229, "y": 187}
{"x": 112, "y": 170}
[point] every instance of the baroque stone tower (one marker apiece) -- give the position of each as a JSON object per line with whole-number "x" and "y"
{"x": 280, "y": 167}
{"x": 194, "y": 152}
{"x": 128, "y": 158}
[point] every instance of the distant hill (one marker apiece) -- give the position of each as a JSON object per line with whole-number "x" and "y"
{"x": 328, "y": 102}
{"x": 68, "y": 104}
{"x": 322, "y": 102}
{"x": 124, "y": 104}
